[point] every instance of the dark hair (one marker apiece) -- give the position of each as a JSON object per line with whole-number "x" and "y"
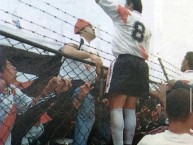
{"x": 178, "y": 105}
{"x": 189, "y": 58}
{"x": 137, "y": 5}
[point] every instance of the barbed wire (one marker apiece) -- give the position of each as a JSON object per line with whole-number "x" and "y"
{"x": 164, "y": 67}
{"x": 63, "y": 42}
{"x": 70, "y": 15}
{"x": 164, "y": 61}
{"x": 53, "y": 31}
{"x": 74, "y": 26}
{"x": 25, "y": 45}
{"x": 44, "y": 36}
{"x": 157, "y": 78}
{"x": 171, "y": 70}
{"x": 54, "y": 16}
{"x": 170, "y": 64}
{"x": 161, "y": 72}
{"x": 154, "y": 62}
{"x": 72, "y": 38}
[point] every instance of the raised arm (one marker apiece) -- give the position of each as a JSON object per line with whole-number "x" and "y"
{"x": 110, "y": 8}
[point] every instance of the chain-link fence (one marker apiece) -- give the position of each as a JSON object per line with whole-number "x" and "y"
{"x": 55, "y": 118}
{"x": 30, "y": 115}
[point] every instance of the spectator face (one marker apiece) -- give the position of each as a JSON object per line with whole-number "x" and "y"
{"x": 89, "y": 31}
{"x": 9, "y": 73}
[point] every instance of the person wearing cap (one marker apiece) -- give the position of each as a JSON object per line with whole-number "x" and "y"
{"x": 85, "y": 30}
{"x": 80, "y": 73}
{"x": 82, "y": 51}
{"x": 129, "y": 73}
{"x": 179, "y": 112}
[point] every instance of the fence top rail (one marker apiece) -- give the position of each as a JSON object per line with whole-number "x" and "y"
{"x": 29, "y": 39}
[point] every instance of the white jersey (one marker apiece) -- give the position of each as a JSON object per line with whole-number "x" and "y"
{"x": 76, "y": 70}
{"x": 131, "y": 35}
{"x": 10, "y": 105}
{"x": 167, "y": 138}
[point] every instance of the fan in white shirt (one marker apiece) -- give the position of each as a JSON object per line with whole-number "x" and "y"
{"x": 180, "y": 121}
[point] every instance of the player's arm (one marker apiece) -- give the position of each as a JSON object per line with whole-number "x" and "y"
{"x": 97, "y": 1}
{"x": 110, "y": 7}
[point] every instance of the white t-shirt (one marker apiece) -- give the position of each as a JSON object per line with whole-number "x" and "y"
{"x": 131, "y": 35}
{"x": 167, "y": 138}
{"x": 187, "y": 76}
{"x": 76, "y": 70}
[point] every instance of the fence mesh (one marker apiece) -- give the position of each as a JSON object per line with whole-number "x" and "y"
{"x": 35, "y": 117}
{"x": 55, "y": 118}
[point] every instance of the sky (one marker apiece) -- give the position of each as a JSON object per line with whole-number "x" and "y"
{"x": 174, "y": 30}
{"x": 169, "y": 21}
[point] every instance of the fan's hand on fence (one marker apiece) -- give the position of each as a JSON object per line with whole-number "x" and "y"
{"x": 50, "y": 86}
{"x": 57, "y": 84}
{"x": 170, "y": 84}
{"x": 98, "y": 62}
{"x": 85, "y": 89}
{"x": 63, "y": 85}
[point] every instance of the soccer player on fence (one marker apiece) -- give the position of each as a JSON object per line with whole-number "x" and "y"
{"x": 129, "y": 73}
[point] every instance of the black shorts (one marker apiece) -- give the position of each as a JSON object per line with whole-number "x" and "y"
{"x": 130, "y": 76}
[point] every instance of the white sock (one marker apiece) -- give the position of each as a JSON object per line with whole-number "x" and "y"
{"x": 117, "y": 126}
{"x": 130, "y": 124}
